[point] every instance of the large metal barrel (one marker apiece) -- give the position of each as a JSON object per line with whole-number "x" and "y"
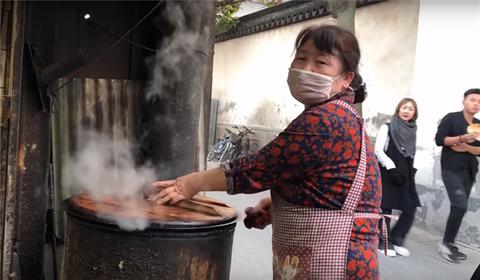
{"x": 192, "y": 240}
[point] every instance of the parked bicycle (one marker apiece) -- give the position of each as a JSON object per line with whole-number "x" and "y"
{"x": 231, "y": 145}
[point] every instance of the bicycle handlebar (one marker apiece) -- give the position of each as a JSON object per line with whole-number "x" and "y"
{"x": 248, "y": 129}
{"x": 245, "y": 131}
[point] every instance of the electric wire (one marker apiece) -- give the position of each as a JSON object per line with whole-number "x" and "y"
{"x": 53, "y": 92}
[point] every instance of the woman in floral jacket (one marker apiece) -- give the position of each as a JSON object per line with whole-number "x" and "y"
{"x": 321, "y": 170}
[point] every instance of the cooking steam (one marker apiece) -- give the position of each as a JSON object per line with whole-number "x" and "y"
{"x": 181, "y": 49}
{"x": 105, "y": 169}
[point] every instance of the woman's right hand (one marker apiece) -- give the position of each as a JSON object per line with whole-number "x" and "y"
{"x": 173, "y": 191}
{"x": 259, "y": 216}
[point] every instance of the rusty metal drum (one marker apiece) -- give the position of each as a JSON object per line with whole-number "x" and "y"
{"x": 192, "y": 240}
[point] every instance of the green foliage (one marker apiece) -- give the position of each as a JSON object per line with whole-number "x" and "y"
{"x": 226, "y": 10}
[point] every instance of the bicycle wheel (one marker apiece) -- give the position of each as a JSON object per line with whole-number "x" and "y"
{"x": 227, "y": 153}
{"x": 211, "y": 155}
{"x": 214, "y": 152}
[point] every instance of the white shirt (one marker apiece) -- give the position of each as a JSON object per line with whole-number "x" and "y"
{"x": 381, "y": 145}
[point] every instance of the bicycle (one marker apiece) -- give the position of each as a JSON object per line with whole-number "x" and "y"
{"x": 219, "y": 147}
{"x": 231, "y": 145}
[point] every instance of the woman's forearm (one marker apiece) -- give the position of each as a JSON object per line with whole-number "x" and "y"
{"x": 208, "y": 180}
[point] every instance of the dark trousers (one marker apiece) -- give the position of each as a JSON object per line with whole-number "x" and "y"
{"x": 458, "y": 184}
{"x": 398, "y": 233}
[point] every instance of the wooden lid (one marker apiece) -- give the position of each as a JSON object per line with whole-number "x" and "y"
{"x": 199, "y": 211}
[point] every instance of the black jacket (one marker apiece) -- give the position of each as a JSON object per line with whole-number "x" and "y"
{"x": 399, "y": 193}
{"x": 454, "y": 124}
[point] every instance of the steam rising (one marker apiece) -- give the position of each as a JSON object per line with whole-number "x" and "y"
{"x": 175, "y": 89}
{"x": 183, "y": 48}
{"x": 105, "y": 169}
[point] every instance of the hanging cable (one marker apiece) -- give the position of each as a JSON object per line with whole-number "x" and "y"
{"x": 119, "y": 36}
{"x": 87, "y": 17}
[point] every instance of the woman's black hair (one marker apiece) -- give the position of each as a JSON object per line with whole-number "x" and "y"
{"x": 338, "y": 41}
{"x": 360, "y": 89}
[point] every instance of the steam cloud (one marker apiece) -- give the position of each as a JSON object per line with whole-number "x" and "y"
{"x": 106, "y": 169}
{"x": 179, "y": 50}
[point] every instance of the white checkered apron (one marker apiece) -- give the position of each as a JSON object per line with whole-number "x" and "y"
{"x": 312, "y": 243}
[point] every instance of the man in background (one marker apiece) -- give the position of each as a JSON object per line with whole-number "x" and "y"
{"x": 459, "y": 166}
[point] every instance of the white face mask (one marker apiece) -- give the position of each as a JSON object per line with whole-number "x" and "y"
{"x": 310, "y": 88}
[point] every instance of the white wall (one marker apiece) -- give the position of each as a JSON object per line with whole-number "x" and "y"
{"x": 387, "y": 34}
{"x": 446, "y": 65}
{"x": 448, "y": 60}
{"x": 250, "y": 74}
{"x": 428, "y": 50}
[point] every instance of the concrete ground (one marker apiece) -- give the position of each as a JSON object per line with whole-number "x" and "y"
{"x": 252, "y": 251}
{"x": 425, "y": 262}
{"x": 251, "y": 257}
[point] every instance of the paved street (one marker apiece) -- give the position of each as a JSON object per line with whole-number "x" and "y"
{"x": 426, "y": 263}
{"x": 251, "y": 258}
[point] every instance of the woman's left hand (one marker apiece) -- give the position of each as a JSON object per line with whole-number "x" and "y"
{"x": 259, "y": 216}
{"x": 173, "y": 191}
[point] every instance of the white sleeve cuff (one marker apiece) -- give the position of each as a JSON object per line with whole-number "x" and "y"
{"x": 380, "y": 143}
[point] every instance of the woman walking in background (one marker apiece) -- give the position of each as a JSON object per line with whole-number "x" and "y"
{"x": 395, "y": 150}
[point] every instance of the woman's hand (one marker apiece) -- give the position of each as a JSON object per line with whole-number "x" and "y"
{"x": 185, "y": 187}
{"x": 259, "y": 216}
{"x": 173, "y": 191}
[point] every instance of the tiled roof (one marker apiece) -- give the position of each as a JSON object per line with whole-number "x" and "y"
{"x": 284, "y": 14}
